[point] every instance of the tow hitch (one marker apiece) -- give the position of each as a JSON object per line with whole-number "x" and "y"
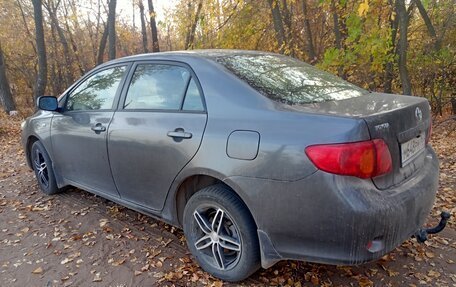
{"x": 421, "y": 235}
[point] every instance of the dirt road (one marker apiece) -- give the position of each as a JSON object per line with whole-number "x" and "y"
{"x": 78, "y": 239}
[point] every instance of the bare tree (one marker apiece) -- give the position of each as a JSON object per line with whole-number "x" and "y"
{"x": 153, "y": 27}
{"x": 102, "y": 47}
{"x": 24, "y": 20}
{"x": 337, "y": 35}
{"x": 41, "y": 81}
{"x": 278, "y": 24}
{"x": 190, "y": 37}
{"x": 143, "y": 26}
{"x": 112, "y": 29}
{"x": 403, "y": 18}
{"x": 287, "y": 17}
{"x": 80, "y": 61}
{"x": 388, "y": 77}
{"x": 6, "y": 98}
{"x": 429, "y": 26}
{"x": 310, "y": 45}
{"x": 52, "y": 7}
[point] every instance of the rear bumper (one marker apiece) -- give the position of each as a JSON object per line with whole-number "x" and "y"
{"x": 331, "y": 219}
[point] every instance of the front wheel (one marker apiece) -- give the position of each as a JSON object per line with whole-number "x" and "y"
{"x": 221, "y": 233}
{"x": 42, "y": 166}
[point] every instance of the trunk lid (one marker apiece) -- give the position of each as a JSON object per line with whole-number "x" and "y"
{"x": 403, "y": 122}
{"x": 405, "y": 130}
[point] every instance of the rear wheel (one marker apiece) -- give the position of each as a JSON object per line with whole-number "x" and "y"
{"x": 42, "y": 166}
{"x": 221, "y": 233}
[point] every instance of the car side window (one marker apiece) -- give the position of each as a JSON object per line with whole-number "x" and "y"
{"x": 157, "y": 86}
{"x": 97, "y": 92}
{"x": 193, "y": 101}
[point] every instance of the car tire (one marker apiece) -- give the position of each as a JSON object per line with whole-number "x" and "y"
{"x": 42, "y": 166}
{"x": 221, "y": 233}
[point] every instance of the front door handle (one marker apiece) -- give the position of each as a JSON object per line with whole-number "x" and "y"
{"x": 98, "y": 128}
{"x": 179, "y": 134}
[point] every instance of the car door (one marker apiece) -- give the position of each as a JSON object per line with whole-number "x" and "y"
{"x": 79, "y": 132}
{"x": 156, "y": 130}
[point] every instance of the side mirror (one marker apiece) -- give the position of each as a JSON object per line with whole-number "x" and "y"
{"x": 47, "y": 103}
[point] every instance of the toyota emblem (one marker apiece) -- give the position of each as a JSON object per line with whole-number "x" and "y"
{"x": 418, "y": 114}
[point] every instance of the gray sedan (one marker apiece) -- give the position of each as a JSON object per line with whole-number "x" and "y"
{"x": 257, "y": 156}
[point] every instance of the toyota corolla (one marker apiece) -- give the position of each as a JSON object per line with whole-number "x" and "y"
{"x": 259, "y": 157}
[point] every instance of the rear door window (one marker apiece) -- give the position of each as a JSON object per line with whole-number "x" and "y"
{"x": 157, "y": 87}
{"x": 193, "y": 100}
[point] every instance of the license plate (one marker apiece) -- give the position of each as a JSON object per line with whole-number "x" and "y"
{"x": 412, "y": 148}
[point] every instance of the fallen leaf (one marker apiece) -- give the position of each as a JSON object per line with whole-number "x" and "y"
{"x": 392, "y": 273}
{"x": 365, "y": 282}
{"x": 430, "y": 254}
{"x": 118, "y": 262}
{"x": 314, "y": 279}
{"x": 103, "y": 222}
{"x": 194, "y": 277}
{"x": 66, "y": 260}
{"x": 97, "y": 277}
{"x": 38, "y": 270}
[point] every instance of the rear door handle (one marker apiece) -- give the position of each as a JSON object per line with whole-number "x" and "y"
{"x": 98, "y": 128}
{"x": 179, "y": 134}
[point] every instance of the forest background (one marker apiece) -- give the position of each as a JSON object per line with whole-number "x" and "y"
{"x": 392, "y": 46}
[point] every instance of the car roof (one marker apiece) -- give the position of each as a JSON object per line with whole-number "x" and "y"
{"x": 187, "y": 54}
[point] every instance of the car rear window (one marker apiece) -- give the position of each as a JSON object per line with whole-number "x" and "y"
{"x": 288, "y": 80}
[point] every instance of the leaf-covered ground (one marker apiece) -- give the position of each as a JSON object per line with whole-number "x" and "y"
{"x": 78, "y": 239}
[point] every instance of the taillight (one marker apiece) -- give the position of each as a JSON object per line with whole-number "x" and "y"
{"x": 364, "y": 159}
{"x": 428, "y": 136}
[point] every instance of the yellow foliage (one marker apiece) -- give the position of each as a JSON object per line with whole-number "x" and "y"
{"x": 363, "y": 8}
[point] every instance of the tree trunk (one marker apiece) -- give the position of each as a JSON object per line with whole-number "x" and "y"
{"x": 153, "y": 27}
{"x": 429, "y": 26}
{"x": 24, "y": 20}
{"x": 112, "y": 29}
{"x": 52, "y": 10}
{"x": 6, "y": 98}
{"x": 310, "y": 45}
{"x": 143, "y": 27}
{"x": 96, "y": 35}
{"x": 337, "y": 35}
{"x": 453, "y": 104}
{"x": 82, "y": 63}
{"x": 336, "y": 26}
{"x": 102, "y": 47}
{"x": 401, "y": 13}
{"x": 41, "y": 81}
{"x": 55, "y": 74}
{"x": 278, "y": 24}
{"x": 190, "y": 39}
{"x": 287, "y": 15}
{"x": 388, "y": 85}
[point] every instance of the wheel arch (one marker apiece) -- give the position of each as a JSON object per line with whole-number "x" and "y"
{"x": 191, "y": 184}
{"x": 28, "y": 147}
{"x": 31, "y": 139}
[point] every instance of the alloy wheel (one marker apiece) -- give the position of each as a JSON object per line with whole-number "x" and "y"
{"x": 218, "y": 237}
{"x": 41, "y": 168}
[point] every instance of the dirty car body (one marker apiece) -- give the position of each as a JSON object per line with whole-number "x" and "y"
{"x": 299, "y": 147}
